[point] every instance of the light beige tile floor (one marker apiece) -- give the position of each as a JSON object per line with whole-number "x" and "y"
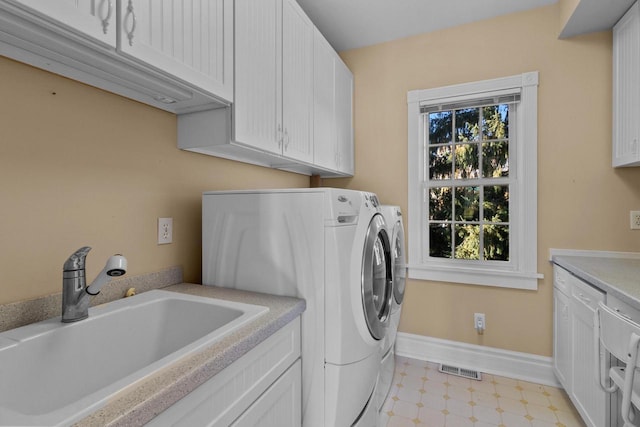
{"x": 421, "y": 396}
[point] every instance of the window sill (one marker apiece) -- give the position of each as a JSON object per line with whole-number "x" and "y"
{"x": 472, "y": 276}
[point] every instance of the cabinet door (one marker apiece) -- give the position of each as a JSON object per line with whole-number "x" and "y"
{"x": 562, "y": 339}
{"x": 324, "y": 126}
{"x": 626, "y": 89}
{"x": 589, "y": 398}
{"x": 190, "y": 40}
{"x": 297, "y": 82}
{"x": 279, "y": 406}
{"x": 344, "y": 117}
{"x": 93, "y": 18}
{"x": 258, "y": 54}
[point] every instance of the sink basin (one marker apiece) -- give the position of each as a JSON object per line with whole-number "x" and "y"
{"x": 54, "y": 373}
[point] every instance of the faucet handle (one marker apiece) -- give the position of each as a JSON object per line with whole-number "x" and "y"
{"x": 76, "y": 260}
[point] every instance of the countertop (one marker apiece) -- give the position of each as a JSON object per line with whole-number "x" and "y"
{"x": 618, "y": 276}
{"x": 142, "y": 401}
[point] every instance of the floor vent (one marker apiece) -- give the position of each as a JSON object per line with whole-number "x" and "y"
{"x": 461, "y": 372}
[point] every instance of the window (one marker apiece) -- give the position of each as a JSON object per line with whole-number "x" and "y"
{"x": 472, "y": 183}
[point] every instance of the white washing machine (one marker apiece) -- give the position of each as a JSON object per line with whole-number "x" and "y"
{"x": 393, "y": 218}
{"x": 330, "y": 247}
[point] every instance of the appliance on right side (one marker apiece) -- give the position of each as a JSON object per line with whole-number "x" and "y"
{"x": 393, "y": 217}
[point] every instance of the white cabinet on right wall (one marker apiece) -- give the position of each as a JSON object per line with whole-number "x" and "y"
{"x": 574, "y": 359}
{"x": 626, "y": 89}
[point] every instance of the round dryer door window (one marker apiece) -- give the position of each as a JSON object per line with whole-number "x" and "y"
{"x": 376, "y": 278}
{"x": 399, "y": 264}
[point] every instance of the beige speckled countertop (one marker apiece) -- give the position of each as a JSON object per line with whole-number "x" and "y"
{"x": 143, "y": 400}
{"x": 618, "y": 276}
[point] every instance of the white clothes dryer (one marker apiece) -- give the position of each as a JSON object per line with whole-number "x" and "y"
{"x": 393, "y": 218}
{"x": 330, "y": 247}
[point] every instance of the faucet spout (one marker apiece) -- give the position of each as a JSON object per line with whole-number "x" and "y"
{"x": 76, "y": 294}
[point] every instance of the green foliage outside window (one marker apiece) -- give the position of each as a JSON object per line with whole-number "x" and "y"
{"x": 468, "y": 191}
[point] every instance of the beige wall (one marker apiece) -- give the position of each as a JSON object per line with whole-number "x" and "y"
{"x": 79, "y": 166}
{"x": 582, "y": 202}
{"x": 84, "y": 167}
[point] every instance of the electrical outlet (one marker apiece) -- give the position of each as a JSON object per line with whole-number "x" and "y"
{"x": 165, "y": 230}
{"x": 479, "y": 322}
{"x": 634, "y": 219}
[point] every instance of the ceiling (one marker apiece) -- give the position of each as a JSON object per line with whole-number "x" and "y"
{"x": 349, "y": 24}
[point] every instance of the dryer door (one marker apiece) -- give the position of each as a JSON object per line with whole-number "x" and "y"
{"x": 399, "y": 262}
{"x": 376, "y": 278}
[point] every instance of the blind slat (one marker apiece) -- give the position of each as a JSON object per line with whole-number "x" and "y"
{"x": 452, "y": 104}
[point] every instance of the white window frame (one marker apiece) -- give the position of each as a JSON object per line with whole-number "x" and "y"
{"x": 521, "y": 271}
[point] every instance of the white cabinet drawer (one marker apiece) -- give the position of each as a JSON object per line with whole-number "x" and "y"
{"x": 623, "y": 308}
{"x": 279, "y": 406}
{"x": 585, "y": 294}
{"x": 561, "y": 280}
{"x": 228, "y": 394}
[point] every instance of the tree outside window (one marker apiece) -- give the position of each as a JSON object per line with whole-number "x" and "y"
{"x": 468, "y": 182}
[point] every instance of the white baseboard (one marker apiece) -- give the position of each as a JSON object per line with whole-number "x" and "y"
{"x": 522, "y": 366}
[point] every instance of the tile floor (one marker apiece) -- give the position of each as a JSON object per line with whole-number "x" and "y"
{"x": 421, "y": 396}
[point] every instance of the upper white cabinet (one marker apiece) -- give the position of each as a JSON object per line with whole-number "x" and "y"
{"x": 292, "y": 106}
{"x": 274, "y": 78}
{"x": 174, "y": 55}
{"x": 325, "y": 147}
{"x": 333, "y": 95}
{"x": 626, "y": 89}
{"x": 94, "y": 18}
{"x": 190, "y": 40}
{"x": 344, "y": 117}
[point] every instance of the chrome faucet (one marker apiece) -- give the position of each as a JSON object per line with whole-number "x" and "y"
{"x": 75, "y": 294}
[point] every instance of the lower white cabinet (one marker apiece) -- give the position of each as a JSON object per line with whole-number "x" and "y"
{"x": 279, "y": 406}
{"x": 262, "y": 388}
{"x": 574, "y": 358}
{"x": 562, "y": 334}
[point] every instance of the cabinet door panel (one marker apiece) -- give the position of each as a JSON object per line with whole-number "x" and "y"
{"x": 344, "y": 117}
{"x": 562, "y": 360}
{"x": 324, "y": 127}
{"x": 191, "y": 40}
{"x": 297, "y": 78}
{"x": 258, "y": 53}
{"x": 94, "y": 18}
{"x": 279, "y": 406}
{"x": 626, "y": 89}
{"x": 590, "y": 400}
